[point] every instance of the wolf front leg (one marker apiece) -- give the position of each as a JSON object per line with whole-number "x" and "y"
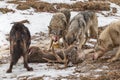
{"x": 11, "y": 61}
{"x": 10, "y": 67}
{"x": 51, "y": 44}
{"x": 81, "y": 41}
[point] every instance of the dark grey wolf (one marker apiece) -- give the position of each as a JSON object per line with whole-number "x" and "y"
{"x": 83, "y": 26}
{"x": 20, "y": 40}
{"x": 109, "y": 39}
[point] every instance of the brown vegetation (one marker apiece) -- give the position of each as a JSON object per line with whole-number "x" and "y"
{"x": 62, "y": 5}
{"x": 47, "y": 7}
{"x": 115, "y": 1}
{"x": 91, "y": 6}
{"x": 6, "y": 10}
{"x": 23, "y": 7}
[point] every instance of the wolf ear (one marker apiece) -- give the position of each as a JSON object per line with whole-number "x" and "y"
{"x": 49, "y": 27}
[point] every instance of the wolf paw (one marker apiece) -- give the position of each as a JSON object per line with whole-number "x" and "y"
{"x": 112, "y": 60}
{"x": 8, "y": 71}
{"x": 30, "y": 69}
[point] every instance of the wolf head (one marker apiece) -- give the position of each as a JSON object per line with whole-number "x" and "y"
{"x": 56, "y": 34}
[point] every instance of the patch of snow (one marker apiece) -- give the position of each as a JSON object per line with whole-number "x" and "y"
{"x": 90, "y": 44}
{"x": 40, "y": 69}
{"x": 96, "y": 76}
{"x": 113, "y": 5}
{"x": 102, "y": 20}
{"x": 98, "y": 70}
{"x": 93, "y": 40}
{"x": 105, "y": 67}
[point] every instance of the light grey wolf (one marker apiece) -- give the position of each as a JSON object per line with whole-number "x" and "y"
{"x": 108, "y": 39}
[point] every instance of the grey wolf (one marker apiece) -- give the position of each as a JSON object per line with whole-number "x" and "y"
{"x": 83, "y": 26}
{"x": 57, "y": 27}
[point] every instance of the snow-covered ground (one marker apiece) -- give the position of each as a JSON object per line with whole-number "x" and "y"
{"x": 39, "y": 70}
{"x": 38, "y": 22}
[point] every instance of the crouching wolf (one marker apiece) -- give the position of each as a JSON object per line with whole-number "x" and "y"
{"x": 107, "y": 40}
{"x": 57, "y": 27}
{"x": 83, "y": 26}
{"x": 20, "y": 40}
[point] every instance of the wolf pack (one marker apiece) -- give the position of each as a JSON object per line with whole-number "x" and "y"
{"x": 76, "y": 31}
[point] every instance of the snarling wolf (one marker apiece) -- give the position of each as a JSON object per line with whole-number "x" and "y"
{"x": 108, "y": 39}
{"x": 20, "y": 40}
{"x": 57, "y": 27}
{"x": 83, "y": 26}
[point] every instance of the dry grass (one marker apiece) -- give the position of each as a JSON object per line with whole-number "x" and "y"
{"x": 43, "y": 7}
{"x": 115, "y": 1}
{"x": 14, "y": 2}
{"x": 99, "y": 5}
{"x": 6, "y": 10}
{"x": 40, "y": 6}
{"x": 23, "y": 7}
{"x": 31, "y": 0}
{"x": 62, "y": 5}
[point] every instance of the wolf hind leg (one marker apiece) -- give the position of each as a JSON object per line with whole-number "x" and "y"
{"x": 26, "y": 63}
{"x": 10, "y": 67}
